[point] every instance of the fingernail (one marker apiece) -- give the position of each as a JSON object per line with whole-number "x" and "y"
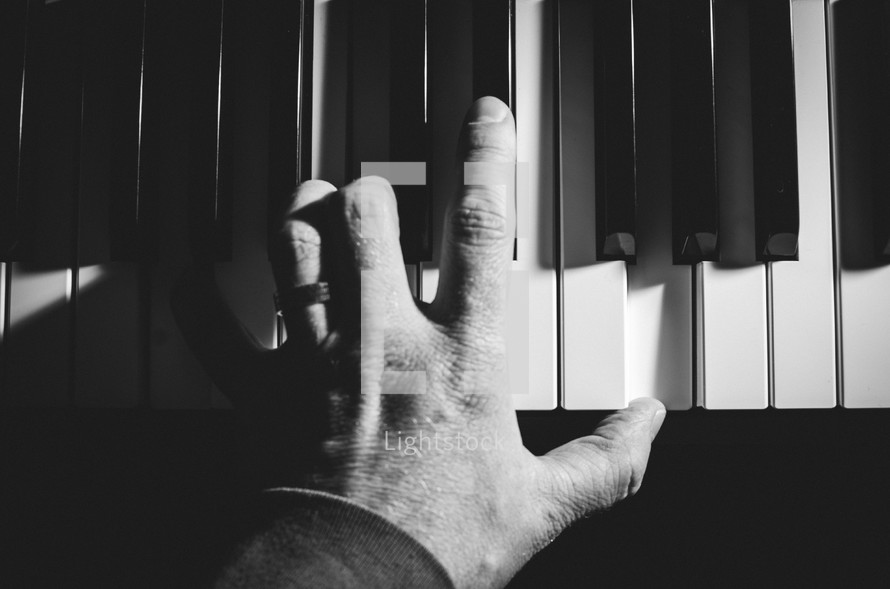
{"x": 657, "y": 420}
{"x": 488, "y": 110}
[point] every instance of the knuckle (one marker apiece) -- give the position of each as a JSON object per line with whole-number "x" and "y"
{"x": 298, "y": 240}
{"x": 478, "y": 223}
{"x": 473, "y": 378}
{"x": 299, "y": 232}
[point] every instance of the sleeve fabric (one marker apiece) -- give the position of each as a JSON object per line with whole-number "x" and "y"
{"x": 301, "y": 538}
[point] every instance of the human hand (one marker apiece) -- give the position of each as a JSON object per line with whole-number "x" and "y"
{"x": 371, "y": 369}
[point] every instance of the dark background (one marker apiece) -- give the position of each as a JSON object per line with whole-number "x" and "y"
{"x": 770, "y": 498}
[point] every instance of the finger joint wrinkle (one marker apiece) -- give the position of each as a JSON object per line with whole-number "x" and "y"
{"x": 478, "y": 226}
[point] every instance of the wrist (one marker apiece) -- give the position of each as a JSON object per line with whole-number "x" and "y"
{"x": 317, "y": 539}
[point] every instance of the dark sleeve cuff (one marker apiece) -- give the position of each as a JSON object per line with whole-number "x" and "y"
{"x": 302, "y": 538}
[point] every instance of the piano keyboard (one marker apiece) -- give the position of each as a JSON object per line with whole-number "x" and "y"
{"x": 700, "y": 209}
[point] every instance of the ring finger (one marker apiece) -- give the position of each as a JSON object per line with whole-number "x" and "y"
{"x": 296, "y": 258}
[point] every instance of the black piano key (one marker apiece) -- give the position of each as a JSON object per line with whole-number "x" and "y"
{"x": 693, "y": 143}
{"x": 773, "y": 117}
{"x": 113, "y": 215}
{"x": 368, "y": 63}
{"x": 494, "y": 50}
{"x": 733, "y": 108}
{"x": 615, "y": 152}
{"x": 409, "y": 124}
{"x": 210, "y": 138}
{"x": 852, "y": 48}
{"x": 881, "y": 132}
{"x": 164, "y": 134}
{"x": 51, "y": 136}
{"x": 290, "y": 108}
{"x": 13, "y": 39}
{"x": 494, "y": 55}
{"x": 387, "y": 110}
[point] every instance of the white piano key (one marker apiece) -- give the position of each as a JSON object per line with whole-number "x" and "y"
{"x": 3, "y": 273}
{"x": 246, "y": 282}
{"x": 866, "y": 337}
{"x": 176, "y": 378}
{"x": 108, "y": 336}
{"x": 5, "y": 269}
{"x": 218, "y": 400}
{"x": 803, "y": 336}
{"x": 594, "y": 293}
{"x": 733, "y": 356}
{"x": 429, "y": 281}
{"x": 595, "y": 353}
{"x": 659, "y": 299}
{"x": 535, "y": 256}
{"x": 731, "y": 295}
{"x": 659, "y": 336}
{"x": 864, "y": 313}
{"x": 37, "y": 345}
{"x": 412, "y": 275}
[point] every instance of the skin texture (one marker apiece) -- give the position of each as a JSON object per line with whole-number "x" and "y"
{"x": 372, "y": 368}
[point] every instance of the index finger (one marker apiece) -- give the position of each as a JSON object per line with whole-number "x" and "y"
{"x": 479, "y": 225}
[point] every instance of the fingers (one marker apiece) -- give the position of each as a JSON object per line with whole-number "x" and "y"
{"x": 370, "y": 267}
{"x": 478, "y": 229}
{"x": 226, "y": 349}
{"x": 296, "y": 258}
{"x": 370, "y": 212}
{"x": 596, "y": 471}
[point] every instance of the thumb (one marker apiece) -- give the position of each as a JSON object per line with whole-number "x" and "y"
{"x": 597, "y": 471}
